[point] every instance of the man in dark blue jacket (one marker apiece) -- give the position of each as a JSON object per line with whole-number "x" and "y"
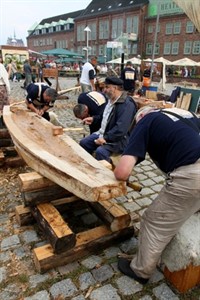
{"x": 115, "y": 122}
{"x": 40, "y": 98}
{"x": 90, "y": 104}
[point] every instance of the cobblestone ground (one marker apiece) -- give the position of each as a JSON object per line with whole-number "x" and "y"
{"x": 94, "y": 277}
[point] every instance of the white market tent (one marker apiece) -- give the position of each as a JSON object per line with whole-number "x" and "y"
{"x": 184, "y": 62}
{"x": 135, "y": 61}
{"x": 116, "y": 61}
{"x": 162, "y": 60}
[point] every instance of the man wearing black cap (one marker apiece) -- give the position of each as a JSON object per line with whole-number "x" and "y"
{"x": 115, "y": 122}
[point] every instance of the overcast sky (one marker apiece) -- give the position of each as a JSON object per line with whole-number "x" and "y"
{"x": 19, "y": 15}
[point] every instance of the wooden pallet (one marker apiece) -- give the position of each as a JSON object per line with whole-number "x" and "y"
{"x": 65, "y": 245}
{"x": 8, "y": 154}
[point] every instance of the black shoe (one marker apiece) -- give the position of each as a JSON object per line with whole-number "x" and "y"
{"x": 124, "y": 267}
{"x": 22, "y": 87}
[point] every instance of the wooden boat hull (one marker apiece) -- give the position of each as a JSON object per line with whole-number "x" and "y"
{"x": 60, "y": 158}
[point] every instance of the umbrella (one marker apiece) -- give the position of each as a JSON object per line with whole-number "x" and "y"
{"x": 135, "y": 61}
{"x": 184, "y": 62}
{"x": 162, "y": 60}
{"x": 116, "y": 61}
{"x": 62, "y": 52}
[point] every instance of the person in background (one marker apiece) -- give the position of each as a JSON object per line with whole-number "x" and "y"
{"x": 4, "y": 90}
{"x": 88, "y": 75}
{"x": 115, "y": 122}
{"x": 12, "y": 70}
{"x": 28, "y": 74}
{"x": 171, "y": 137}
{"x": 40, "y": 98}
{"x": 128, "y": 75}
{"x": 90, "y": 104}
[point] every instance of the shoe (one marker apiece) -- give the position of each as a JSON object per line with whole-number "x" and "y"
{"x": 22, "y": 87}
{"x": 124, "y": 267}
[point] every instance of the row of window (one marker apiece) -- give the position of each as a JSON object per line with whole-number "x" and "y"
{"x": 174, "y": 28}
{"x": 172, "y": 48}
{"x": 52, "y": 29}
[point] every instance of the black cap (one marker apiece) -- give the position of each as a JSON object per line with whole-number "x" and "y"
{"x": 114, "y": 81}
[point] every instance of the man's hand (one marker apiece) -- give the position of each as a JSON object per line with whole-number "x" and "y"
{"x": 88, "y": 120}
{"x": 100, "y": 141}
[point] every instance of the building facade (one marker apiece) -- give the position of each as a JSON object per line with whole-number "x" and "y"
{"x": 127, "y": 26}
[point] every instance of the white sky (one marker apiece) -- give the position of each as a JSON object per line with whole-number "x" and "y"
{"x": 19, "y": 15}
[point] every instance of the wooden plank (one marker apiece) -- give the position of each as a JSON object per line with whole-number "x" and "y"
{"x": 2, "y": 158}
{"x": 23, "y": 215}
{"x": 87, "y": 242}
{"x": 33, "y": 181}
{"x": 184, "y": 280}
{"x": 16, "y": 161}
{"x": 46, "y": 194}
{"x": 112, "y": 214}
{"x": 185, "y": 104}
{"x": 54, "y": 227}
{"x": 6, "y": 142}
{"x": 151, "y": 95}
{"x": 9, "y": 151}
{"x": 178, "y": 102}
{"x": 4, "y": 133}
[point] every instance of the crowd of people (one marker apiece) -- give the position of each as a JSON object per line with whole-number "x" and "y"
{"x": 117, "y": 127}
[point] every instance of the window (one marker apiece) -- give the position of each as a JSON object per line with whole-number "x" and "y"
{"x": 117, "y": 27}
{"x": 58, "y": 28}
{"x": 50, "y": 29}
{"x": 44, "y": 30}
{"x": 93, "y": 33}
{"x": 157, "y": 49}
{"x": 196, "y": 47}
{"x": 187, "y": 47}
{"x": 104, "y": 29}
{"x": 169, "y": 27}
{"x": 189, "y": 27}
{"x": 177, "y": 28}
{"x": 37, "y": 32}
{"x": 175, "y": 48}
{"x": 101, "y": 49}
{"x": 80, "y": 33}
{"x": 66, "y": 26}
{"x": 167, "y": 48}
{"x": 133, "y": 49}
{"x": 150, "y": 29}
{"x": 149, "y": 48}
{"x": 132, "y": 24}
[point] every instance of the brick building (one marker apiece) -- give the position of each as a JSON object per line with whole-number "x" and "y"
{"x": 121, "y": 26}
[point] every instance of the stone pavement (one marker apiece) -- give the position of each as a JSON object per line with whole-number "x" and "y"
{"x": 95, "y": 277}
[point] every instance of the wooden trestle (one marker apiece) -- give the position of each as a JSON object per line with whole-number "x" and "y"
{"x": 46, "y": 202}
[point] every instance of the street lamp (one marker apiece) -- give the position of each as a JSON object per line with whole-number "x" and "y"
{"x": 87, "y": 29}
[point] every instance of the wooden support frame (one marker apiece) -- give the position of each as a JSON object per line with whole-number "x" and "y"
{"x": 64, "y": 244}
{"x": 87, "y": 242}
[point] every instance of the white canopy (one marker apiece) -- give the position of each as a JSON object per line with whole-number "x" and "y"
{"x": 116, "y": 61}
{"x": 162, "y": 60}
{"x": 191, "y": 9}
{"x": 184, "y": 62}
{"x": 135, "y": 60}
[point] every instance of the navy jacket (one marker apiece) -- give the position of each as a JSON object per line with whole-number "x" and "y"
{"x": 119, "y": 122}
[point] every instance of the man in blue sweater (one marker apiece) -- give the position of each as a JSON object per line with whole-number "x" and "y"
{"x": 171, "y": 137}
